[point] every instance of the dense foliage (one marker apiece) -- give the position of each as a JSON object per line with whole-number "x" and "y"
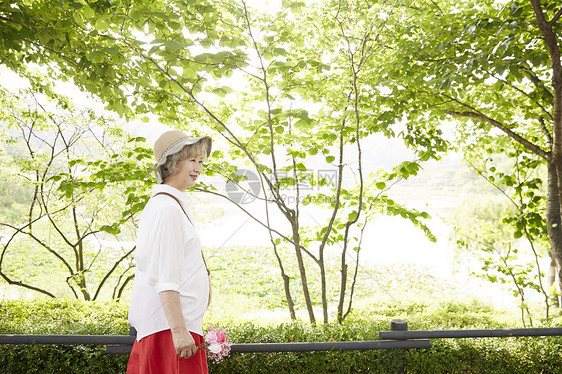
{"x": 493, "y": 69}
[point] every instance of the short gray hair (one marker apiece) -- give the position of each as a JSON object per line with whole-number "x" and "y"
{"x": 170, "y": 167}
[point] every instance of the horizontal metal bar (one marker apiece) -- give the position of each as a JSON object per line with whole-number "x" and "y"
{"x": 308, "y": 347}
{"x": 484, "y": 333}
{"x": 123, "y": 343}
{"x": 329, "y": 346}
{"x": 118, "y": 349}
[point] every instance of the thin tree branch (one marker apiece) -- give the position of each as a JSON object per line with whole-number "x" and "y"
{"x": 556, "y": 17}
{"x": 518, "y": 138}
{"x": 113, "y": 268}
{"x": 284, "y": 237}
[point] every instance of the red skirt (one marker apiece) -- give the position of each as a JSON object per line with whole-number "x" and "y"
{"x": 155, "y": 354}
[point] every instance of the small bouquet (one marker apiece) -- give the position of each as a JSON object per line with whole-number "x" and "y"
{"x": 217, "y": 344}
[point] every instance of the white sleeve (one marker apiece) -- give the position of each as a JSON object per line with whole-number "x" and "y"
{"x": 167, "y": 251}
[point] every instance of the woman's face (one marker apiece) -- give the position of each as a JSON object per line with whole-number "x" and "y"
{"x": 189, "y": 170}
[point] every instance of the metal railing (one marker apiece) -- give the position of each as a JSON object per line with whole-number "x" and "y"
{"x": 398, "y": 338}
{"x": 122, "y": 344}
{"x": 459, "y": 334}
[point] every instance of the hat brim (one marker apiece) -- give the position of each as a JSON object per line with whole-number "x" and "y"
{"x": 178, "y": 146}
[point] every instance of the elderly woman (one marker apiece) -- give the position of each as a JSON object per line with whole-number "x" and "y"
{"x": 171, "y": 290}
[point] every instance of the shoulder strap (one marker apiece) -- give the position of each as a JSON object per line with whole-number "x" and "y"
{"x": 179, "y": 203}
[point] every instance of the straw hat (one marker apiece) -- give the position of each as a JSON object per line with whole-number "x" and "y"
{"x": 172, "y": 142}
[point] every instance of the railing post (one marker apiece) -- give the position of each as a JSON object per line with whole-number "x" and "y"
{"x": 400, "y": 325}
{"x": 122, "y": 349}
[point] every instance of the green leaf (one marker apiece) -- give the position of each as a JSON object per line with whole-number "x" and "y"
{"x": 101, "y": 25}
{"x": 136, "y": 14}
{"x": 111, "y": 229}
{"x": 94, "y": 56}
{"x": 112, "y": 50}
{"x": 303, "y": 123}
{"x": 172, "y": 44}
{"x": 89, "y": 12}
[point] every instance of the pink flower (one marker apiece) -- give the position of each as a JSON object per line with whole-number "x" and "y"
{"x": 217, "y": 343}
{"x": 220, "y": 336}
{"x": 214, "y": 348}
{"x": 211, "y": 337}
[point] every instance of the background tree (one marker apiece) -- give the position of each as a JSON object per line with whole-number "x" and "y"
{"x": 318, "y": 106}
{"x": 68, "y": 162}
{"x": 493, "y": 69}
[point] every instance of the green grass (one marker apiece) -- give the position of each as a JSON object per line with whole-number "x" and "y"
{"x": 247, "y": 286}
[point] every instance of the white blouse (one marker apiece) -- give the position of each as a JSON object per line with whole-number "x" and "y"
{"x": 168, "y": 258}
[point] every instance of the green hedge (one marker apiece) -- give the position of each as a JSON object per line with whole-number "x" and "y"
{"x": 61, "y": 317}
{"x": 511, "y": 355}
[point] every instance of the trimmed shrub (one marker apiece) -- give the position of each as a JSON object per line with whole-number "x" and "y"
{"x": 20, "y": 359}
{"x": 61, "y": 317}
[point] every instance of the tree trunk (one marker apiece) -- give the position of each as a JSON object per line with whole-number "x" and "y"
{"x": 302, "y": 270}
{"x": 343, "y": 288}
{"x": 554, "y": 299}
{"x": 286, "y": 284}
{"x": 324, "y": 286}
{"x": 553, "y": 221}
{"x": 79, "y": 251}
{"x": 290, "y": 303}
{"x": 553, "y": 207}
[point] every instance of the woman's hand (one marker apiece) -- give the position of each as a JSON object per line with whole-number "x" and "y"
{"x": 184, "y": 343}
